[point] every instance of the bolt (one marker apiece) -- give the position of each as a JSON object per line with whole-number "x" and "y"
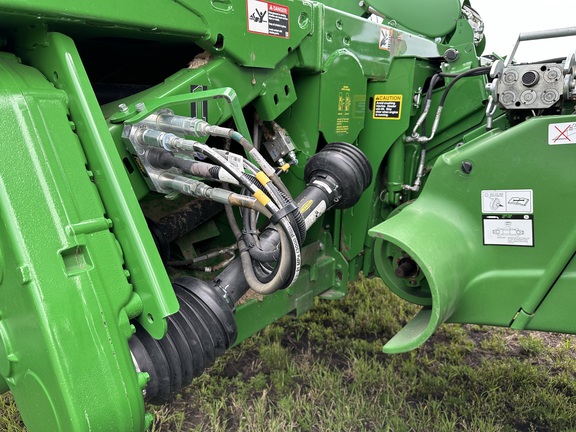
{"x": 451, "y": 54}
{"x": 321, "y": 246}
{"x": 123, "y": 107}
{"x": 406, "y": 268}
{"x": 466, "y": 167}
{"x": 140, "y": 106}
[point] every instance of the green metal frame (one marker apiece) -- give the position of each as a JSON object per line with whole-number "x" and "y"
{"x": 77, "y": 261}
{"x": 63, "y": 333}
{"x": 56, "y": 56}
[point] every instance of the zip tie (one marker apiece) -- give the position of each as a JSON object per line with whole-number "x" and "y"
{"x": 288, "y": 208}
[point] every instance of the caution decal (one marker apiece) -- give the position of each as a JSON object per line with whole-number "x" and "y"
{"x": 387, "y": 107}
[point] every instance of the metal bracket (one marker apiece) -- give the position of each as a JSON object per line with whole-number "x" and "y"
{"x": 139, "y": 111}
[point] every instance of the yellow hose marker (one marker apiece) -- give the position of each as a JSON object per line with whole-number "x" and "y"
{"x": 261, "y": 197}
{"x": 285, "y": 167}
{"x": 262, "y": 178}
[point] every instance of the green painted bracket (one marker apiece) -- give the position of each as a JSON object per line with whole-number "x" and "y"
{"x": 56, "y": 56}
{"x": 139, "y": 111}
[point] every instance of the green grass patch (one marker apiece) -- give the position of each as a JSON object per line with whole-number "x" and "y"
{"x": 325, "y": 371}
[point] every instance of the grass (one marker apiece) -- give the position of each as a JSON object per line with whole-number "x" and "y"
{"x": 325, "y": 372}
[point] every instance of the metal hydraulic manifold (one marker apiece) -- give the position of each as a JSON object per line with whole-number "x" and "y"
{"x": 205, "y": 327}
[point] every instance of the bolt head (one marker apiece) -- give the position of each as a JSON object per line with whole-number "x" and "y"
{"x": 466, "y": 167}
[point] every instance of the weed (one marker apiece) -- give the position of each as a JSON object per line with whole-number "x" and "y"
{"x": 530, "y": 345}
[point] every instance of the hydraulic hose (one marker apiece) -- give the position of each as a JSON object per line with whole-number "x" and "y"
{"x": 294, "y": 258}
{"x": 204, "y": 327}
{"x": 271, "y": 199}
{"x": 336, "y": 177}
{"x": 423, "y": 139}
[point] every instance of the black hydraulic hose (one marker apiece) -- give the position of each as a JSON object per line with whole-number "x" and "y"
{"x": 284, "y": 268}
{"x": 289, "y": 269}
{"x": 282, "y": 200}
{"x": 255, "y": 249}
{"x": 250, "y": 149}
{"x": 232, "y": 222}
{"x": 300, "y": 224}
{"x": 420, "y": 123}
{"x": 433, "y": 81}
{"x": 472, "y": 72}
{"x": 263, "y": 271}
{"x": 232, "y": 279}
{"x": 293, "y": 259}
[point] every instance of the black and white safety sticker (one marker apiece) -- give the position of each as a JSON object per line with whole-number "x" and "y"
{"x": 507, "y": 217}
{"x": 268, "y": 18}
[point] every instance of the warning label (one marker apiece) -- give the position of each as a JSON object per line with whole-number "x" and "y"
{"x": 561, "y": 133}
{"x": 268, "y": 18}
{"x": 508, "y": 230}
{"x": 385, "y": 40}
{"x": 387, "y": 107}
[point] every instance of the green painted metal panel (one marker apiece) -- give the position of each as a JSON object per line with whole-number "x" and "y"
{"x": 449, "y": 231}
{"x": 556, "y": 312}
{"x": 56, "y": 56}
{"x": 222, "y": 26}
{"x": 178, "y": 18}
{"x": 63, "y": 332}
{"x": 77, "y": 261}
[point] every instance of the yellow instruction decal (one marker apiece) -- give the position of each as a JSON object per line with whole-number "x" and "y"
{"x": 343, "y": 115}
{"x": 387, "y": 107}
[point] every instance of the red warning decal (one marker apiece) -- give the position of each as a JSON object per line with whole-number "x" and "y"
{"x": 268, "y": 18}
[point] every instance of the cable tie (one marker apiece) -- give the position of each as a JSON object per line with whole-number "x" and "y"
{"x": 288, "y": 208}
{"x": 244, "y": 249}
